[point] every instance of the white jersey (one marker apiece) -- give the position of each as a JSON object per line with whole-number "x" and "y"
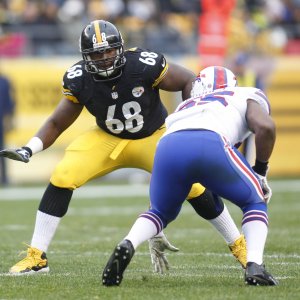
{"x": 222, "y": 111}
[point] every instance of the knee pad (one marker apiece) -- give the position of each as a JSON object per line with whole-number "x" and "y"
{"x": 207, "y": 205}
{"x": 64, "y": 178}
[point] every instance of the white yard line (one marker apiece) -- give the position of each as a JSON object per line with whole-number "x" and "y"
{"x": 105, "y": 191}
{"x": 182, "y": 268}
{"x": 112, "y": 191}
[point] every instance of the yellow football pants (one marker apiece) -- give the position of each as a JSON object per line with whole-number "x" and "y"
{"x": 96, "y": 153}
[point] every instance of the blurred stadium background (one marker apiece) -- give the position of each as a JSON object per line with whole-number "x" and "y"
{"x": 39, "y": 41}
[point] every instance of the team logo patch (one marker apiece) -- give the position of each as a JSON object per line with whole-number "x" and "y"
{"x": 114, "y": 95}
{"x": 138, "y": 91}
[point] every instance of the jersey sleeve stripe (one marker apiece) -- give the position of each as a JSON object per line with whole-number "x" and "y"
{"x": 68, "y": 94}
{"x": 161, "y": 76}
{"x": 71, "y": 98}
{"x": 67, "y": 91}
{"x": 264, "y": 97}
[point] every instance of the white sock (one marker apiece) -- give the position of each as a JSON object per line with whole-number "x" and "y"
{"x": 142, "y": 230}
{"x": 226, "y": 226}
{"x": 160, "y": 234}
{"x": 255, "y": 234}
{"x": 44, "y": 230}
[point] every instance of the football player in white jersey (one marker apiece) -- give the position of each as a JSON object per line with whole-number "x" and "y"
{"x": 200, "y": 146}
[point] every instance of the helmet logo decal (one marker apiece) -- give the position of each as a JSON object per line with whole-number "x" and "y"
{"x": 138, "y": 91}
{"x": 99, "y": 38}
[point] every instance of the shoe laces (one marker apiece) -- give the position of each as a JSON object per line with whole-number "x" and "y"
{"x": 32, "y": 257}
{"x": 237, "y": 250}
{"x": 237, "y": 246}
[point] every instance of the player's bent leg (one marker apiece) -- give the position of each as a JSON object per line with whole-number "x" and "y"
{"x": 206, "y": 204}
{"x": 87, "y": 157}
{"x": 55, "y": 201}
{"x": 52, "y": 208}
{"x": 67, "y": 176}
{"x": 69, "y": 173}
{"x": 211, "y": 207}
{"x": 117, "y": 263}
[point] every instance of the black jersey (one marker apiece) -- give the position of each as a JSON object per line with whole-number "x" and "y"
{"x": 128, "y": 106}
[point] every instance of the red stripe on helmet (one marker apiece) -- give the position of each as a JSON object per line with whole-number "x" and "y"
{"x": 220, "y": 80}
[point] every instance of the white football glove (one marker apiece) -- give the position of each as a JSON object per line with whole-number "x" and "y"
{"x": 20, "y": 154}
{"x": 157, "y": 247}
{"x": 265, "y": 187}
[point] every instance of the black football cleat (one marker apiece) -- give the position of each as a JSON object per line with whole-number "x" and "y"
{"x": 257, "y": 275}
{"x": 117, "y": 263}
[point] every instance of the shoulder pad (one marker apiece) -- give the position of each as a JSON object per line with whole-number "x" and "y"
{"x": 256, "y": 95}
{"x": 74, "y": 77}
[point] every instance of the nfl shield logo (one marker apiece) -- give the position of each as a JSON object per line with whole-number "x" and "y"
{"x": 114, "y": 95}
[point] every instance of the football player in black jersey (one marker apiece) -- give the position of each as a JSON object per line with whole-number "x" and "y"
{"x": 121, "y": 90}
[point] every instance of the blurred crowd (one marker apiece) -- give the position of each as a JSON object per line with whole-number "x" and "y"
{"x": 52, "y": 27}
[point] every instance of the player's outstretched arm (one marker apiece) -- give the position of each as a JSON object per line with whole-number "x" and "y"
{"x": 64, "y": 115}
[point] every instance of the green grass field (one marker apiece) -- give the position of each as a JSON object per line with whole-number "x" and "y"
{"x": 203, "y": 269}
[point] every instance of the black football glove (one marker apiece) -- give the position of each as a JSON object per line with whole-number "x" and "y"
{"x": 21, "y": 154}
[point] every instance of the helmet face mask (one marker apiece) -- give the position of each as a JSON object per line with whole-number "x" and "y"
{"x": 213, "y": 78}
{"x": 101, "y": 46}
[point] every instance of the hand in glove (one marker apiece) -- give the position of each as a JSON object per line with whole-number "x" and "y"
{"x": 21, "y": 154}
{"x": 157, "y": 247}
{"x": 261, "y": 169}
{"x": 265, "y": 187}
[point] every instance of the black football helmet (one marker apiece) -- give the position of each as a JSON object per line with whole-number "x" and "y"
{"x": 98, "y": 37}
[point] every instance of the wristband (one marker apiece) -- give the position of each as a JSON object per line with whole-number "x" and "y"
{"x": 260, "y": 167}
{"x": 35, "y": 145}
